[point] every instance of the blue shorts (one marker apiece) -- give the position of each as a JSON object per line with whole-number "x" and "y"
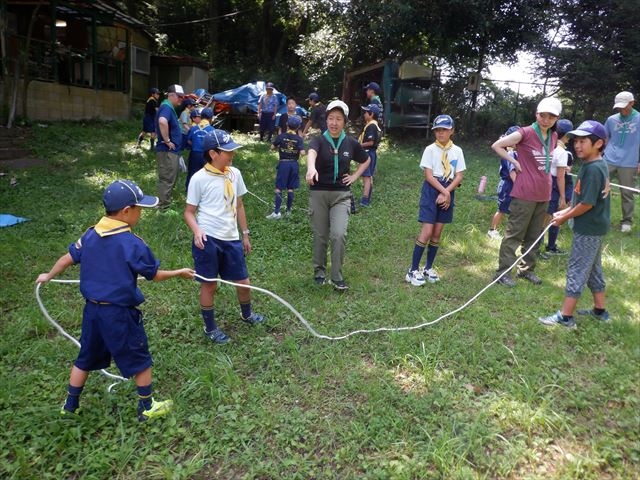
{"x": 287, "y": 175}
{"x": 554, "y": 203}
{"x": 371, "y": 169}
{"x": 504, "y": 196}
{"x": 430, "y": 212}
{"x": 149, "y": 124}
{"x": 111, "y": 331}
{"x": 224, "y": 258}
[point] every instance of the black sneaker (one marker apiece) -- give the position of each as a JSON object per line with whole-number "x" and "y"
{"x": 532, "y": 277}
{"x": 339, "y": 285}
{"x": 554, "y": 251}
{"x": 319, "y": 280}
{"x": 506, "y": 280}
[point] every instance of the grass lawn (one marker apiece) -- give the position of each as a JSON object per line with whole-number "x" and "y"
{"x": 486, "y": 393}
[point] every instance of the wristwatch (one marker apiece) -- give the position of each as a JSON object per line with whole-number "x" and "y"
{"x": 246, "y": 232}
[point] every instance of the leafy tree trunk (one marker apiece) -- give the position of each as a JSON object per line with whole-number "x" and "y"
{"x": 214, "y": 25}
{"x": 267, "y": 25}
{"x": 25, "y": 59}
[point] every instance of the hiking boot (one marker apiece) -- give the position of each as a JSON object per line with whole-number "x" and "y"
{"x": 430, "y": 275}
{"x": 217, "y": 336}
{"x": 532, "y": 277}
{"x": 319, "y": 280}
{"x": 557, "y": 319}
{"x": 505, "y": 280}
{"x": 494, "y": 234}
{"x": 339, "y": 285}
{"x": 274, "y": 216}
{"x": 415, "y": 278}
{"x": 158, "y": 409}
{"x": 254, "y": 319}
{"x": 554, "y": 251}
{"x": 603, "y": 317}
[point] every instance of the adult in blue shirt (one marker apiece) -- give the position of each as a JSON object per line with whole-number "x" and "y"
{"x": 622, "y": 152}
{"x": 169, "y": 144}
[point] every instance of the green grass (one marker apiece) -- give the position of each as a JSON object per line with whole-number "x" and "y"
{"x": 487, "y": 393}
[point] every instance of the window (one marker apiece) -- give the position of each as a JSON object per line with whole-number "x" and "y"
{"x": 141, "y": 60}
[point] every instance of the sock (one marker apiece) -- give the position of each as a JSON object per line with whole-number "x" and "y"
{"x": 553, "y": 236}
{"x": 567, "y": 318}
{"x": 432, "y": 250}
{"x": 599, "y": 311}
{"x": 73, "y": 398}
{"x": 245, "y": 309}
{"x": 289, "y": 200}
{"x": 144, "y": 398}
{"x": 152, "y": 142}
{"x": 208, "y": 315}
{"x": 278, "y": 202}
{"x": 418, "y": 250}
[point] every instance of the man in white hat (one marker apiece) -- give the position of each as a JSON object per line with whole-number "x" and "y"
{"x": 622, "y": 152}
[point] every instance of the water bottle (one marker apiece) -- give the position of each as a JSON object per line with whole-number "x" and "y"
{"x": 482, "y": 184}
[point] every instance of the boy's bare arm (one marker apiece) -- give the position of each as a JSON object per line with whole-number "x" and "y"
{"x": 181, "y": 272}
{"x": 563, "y": 215}
{"x": 60, "y": 266}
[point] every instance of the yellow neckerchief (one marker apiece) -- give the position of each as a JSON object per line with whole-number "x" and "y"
{"x": 110, "y": 226}
{"x": 375, "y": 122}
{"x": 203, "y": 124}
{"x": 445, "y": 158}
{"x": 229, "y": 194}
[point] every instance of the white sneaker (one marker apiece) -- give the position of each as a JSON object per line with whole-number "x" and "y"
{"x": 625, "y": 228}
{"x": 414, "y": 277}
{"x": 274, "y": 216}
{"x": 430, "y": 275}
{"x": 494, "y": 234}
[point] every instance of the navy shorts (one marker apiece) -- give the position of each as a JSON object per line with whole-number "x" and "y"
{"x": 224, "y": 258}
{"x": 111, "y": 331}
{"x": 148, "y": 124}
{"x": 504, "y": 196}
{"x": 554, "y": 203}
{"x": 287, "y": 175}
{"x": 371, "y": 169}
{"x": 430, "y": 212}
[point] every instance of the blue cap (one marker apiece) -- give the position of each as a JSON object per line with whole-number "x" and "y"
{"x": 153, "y": 91}
{"x": 269, "y": 85}
{"x": 188, "y": 101}
{"x": 589, "y": 127}
{"x": 195, "y": 113}
{"x": 206, "y": 113}
{"x": 563, "y": 126}
{"x": 294, "y": 122}
{"x": 125, "y": 193}
{"x": 373, "y": 86}
{"x": 313, "y": 96}
{"x": 511, "y": 129}
{"x": 219, "y": 140}
{"x": 372, "y": 108}
{"x": 443, "y": 121}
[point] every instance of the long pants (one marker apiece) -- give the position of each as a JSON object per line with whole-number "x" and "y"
{"x": 523, "y": 227}
{"x": 329, "y": 212}
{"x": 168, "y": 168}
{"x": 625, "y": 177}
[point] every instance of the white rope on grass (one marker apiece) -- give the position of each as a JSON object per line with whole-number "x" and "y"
{"x": 299, "y": 316}
{"x": 271, "y": 205}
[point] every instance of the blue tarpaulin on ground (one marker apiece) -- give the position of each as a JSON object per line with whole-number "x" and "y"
{"x": 7, "y": 220}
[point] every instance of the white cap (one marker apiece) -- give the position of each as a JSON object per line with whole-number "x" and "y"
{"x": 623, "y": 99}
{"x": 340, "y": 105}
{"x": 550, "y": 105}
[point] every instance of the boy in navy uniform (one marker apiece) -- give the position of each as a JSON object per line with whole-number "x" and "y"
{"x": 507, "y": 174}
{"x": 111, "y": 257}
{"x": 591, "y": 214}
{"x": 195, "y": 138}
{"x": 443, "y": 166}
{"x": 214, "y": 211}
{"x": 148, "y": 125}
{"x": 290, "y": 146}
{"x": 369, "y": 139}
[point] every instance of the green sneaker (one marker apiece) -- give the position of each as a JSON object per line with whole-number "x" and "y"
{"x": 158, "y": 409}
{"x": 68, "y": 414}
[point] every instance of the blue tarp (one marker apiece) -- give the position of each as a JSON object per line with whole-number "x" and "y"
{"x": 7, "y": 220}
{"x": 244, "y": 99}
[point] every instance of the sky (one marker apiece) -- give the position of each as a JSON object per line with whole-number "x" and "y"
{"x": 518, "y": 72}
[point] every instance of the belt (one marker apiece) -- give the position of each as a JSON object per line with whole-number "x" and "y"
{"x": 98, "y": 302}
